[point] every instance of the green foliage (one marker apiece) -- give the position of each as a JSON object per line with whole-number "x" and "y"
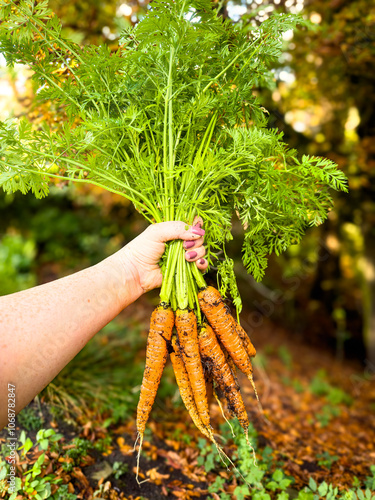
{"x": 69, "y": 229}
{"x": 334, "y": 395}
{"x": 208, "y": 456}
{"x": 180, "y": 435}
{"x": 285, "y": 356}
{"x": 16, "y": 262}
{"x": 370, "y": 480}
{"x": 329, "y": 492}
{"x": 47, "y": 439}
{"x": 279, "y": 481}
{"x": 35, "y": 484}
{"x": 29, "y": 419}
{"x": 217, "y": 486}
{"x": 266, "y": 480}
{"x": 326, "y": 459}
{"x": 295, "y": 383}
{"x": 119, "y": 468}
{"x": 227, "y": 282}
{"x": 327, "y": 414}
{"x": 81, "y": 449}
{"x": 170, "y": 121}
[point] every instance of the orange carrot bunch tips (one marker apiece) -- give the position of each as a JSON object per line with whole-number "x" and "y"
{"x": 203, "y": 352}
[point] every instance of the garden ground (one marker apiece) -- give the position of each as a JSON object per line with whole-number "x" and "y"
{"x": 317, "y": 431}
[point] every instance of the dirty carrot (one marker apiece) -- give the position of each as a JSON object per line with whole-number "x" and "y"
{"x": 185, "y": 389}
{"x": 161, "y": 326}
{"x": 231, "y": 364}
{"x": 160, "y": 333}
{"x": 187, "y": 335}
{"x": 187, "y": 397}
{"x": 224, "y": 325}
{"x": 213, "y": 355}
{"x": 250, "y": 349}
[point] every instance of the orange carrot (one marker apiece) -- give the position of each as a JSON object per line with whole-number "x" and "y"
{"x": 231, "y": 364}
{"x": 186, "y": 391}
{"x": 161, "y": 326}
{"x": 188, "y": 398}
{"x": 224, "y": 325}
{"x": 187, "y": 334}
{"x": 213, "y": 355}
{"x": 250, "y": 349}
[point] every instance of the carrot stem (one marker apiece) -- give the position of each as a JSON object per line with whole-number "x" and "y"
{"x": 182, "y": 287}
{"x": 174, "y": 251}
{"x": 198, "y": 277}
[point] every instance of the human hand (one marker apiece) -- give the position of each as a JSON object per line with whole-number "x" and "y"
{"x": 144, "y": 252}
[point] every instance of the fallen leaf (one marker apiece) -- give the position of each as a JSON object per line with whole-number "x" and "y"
{"x": 104, "y": 471}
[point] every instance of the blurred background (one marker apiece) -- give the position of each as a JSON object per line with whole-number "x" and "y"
{"x": 317, "y": 298}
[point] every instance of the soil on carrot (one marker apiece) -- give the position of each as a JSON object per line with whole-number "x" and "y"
{"x": 317, "y": 422}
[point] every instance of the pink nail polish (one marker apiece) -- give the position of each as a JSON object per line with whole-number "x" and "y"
{"x": 189, "y": 244}
{"x": 198, "y": 230}
{"x": 201, "y": 261}
{"x": 191, "y": 255}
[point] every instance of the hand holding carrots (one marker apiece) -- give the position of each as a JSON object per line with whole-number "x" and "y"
{"x": 144, "y": 252}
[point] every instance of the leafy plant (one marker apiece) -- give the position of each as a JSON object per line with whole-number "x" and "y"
{"x": 327, "y": 414}
{"x": 81, "y": 448}
{"x": 322, "y": 490}
{"x": 35, "y": 484}
{"x": 326, "y": 459}
{"x": 208, "y": 456}
{"x": 285, "y": 356}
{"x": 278, "y": 481}
{"x": 334, "y": 395}
{"x": 29, "y": 419}
{"x": 370, "y": 480}
{"x": 16, "y": 259}
{"x": 329, "y": 492}
{"x": 176, "y": 130}
{"x": 48, "y": 439}
{"x": 119, "y": 468}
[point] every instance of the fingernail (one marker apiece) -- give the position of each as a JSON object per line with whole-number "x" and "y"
{"x": 191, "y": 255}
{"x": 201, "y": 261}
{"x": 189, "y": 244}
{"x": 198, "y": 230}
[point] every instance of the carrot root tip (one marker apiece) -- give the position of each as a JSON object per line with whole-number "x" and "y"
{"x": 222, "y": 412}
{"x": 255, "y": 392}
{"x": 136, "y": 441}
{"x": 140, "y": 437}
{"x": 251, "y": 448}
{"x": 223, "y": 456}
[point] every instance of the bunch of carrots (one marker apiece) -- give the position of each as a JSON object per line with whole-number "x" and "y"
{"x": 209, "y": 350}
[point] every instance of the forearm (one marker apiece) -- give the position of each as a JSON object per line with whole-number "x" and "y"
{"x": 45, "y": 327}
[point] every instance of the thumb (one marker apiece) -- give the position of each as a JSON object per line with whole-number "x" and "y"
{"x": 172, "y": 230}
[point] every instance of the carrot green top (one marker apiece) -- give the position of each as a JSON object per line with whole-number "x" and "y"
{"x": 170, "y": 121}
